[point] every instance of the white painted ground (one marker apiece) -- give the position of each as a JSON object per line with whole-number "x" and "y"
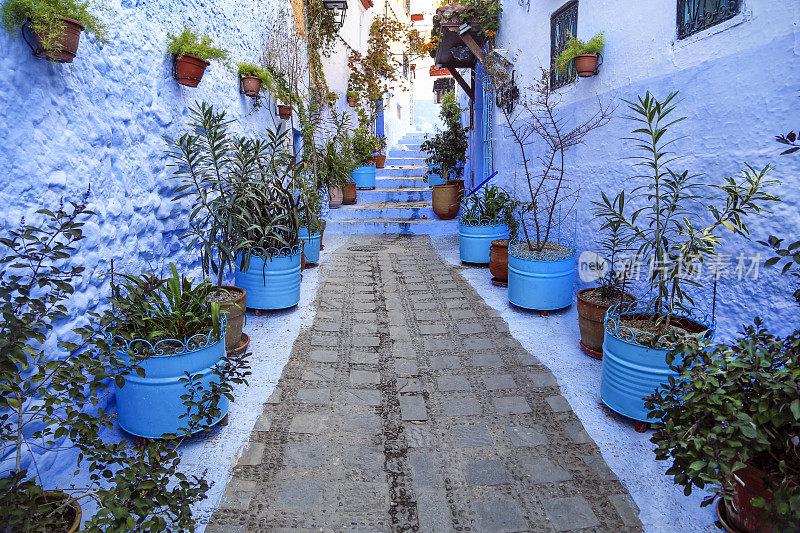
{"x": 554, "y": 340}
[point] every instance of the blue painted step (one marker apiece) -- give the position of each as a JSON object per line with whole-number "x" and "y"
{"x": 404, "y": 170}
{"x": 375, "y": 210}
{"x": 394, "y": 226}
{"x": 393, "y": 182}
{"x": 396, "y": 194}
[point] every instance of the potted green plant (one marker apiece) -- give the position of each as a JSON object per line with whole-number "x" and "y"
{"x": 56, "y": 25}
{"x": 728, "y": 422}
{"x": 380, "y": 150}
{"x": 56, "y": 404}
{"x": 338, "y": 162}
{"x": 280, "y": 87}
{"x": 583, "y": 55}
{"x": 192, "y": 53}
{"x": 666, "y": 233}
{"x": 207, "y": 182}
{"x": 447, "y": 153}
{"x": 363, "y": 143}
{"x": 594, "y": 302}
{"x": 487, "y": 215}
{"x": 352, "y": 98}
{"x": 251, "y": 77}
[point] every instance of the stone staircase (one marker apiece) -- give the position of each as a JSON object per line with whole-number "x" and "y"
{"x": 400, "y": 202}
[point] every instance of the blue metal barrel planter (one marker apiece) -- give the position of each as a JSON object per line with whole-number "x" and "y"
{"x": 540, "y": 281}
{"x": 272, "y": 279}
{"x": 475, "y": 238}
{"x": 151, "y": 406}
{"x": 311, "y": 248}
{"x": 364, "y": 177}
{"x": 434, "y": 177}
{"x": 632, "y": 371}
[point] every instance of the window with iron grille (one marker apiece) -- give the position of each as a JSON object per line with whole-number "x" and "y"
{"x": 697, "y": 15}
{"x": 563, "y": 25}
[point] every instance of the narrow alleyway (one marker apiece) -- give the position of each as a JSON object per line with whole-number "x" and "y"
{"x": 408, "y": 405}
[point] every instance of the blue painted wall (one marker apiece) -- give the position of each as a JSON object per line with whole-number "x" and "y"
{"x": 100, "y": 121}
{"x": 740, "y": 85}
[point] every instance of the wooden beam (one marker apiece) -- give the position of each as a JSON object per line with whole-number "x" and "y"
{"x": 467, "y": 89}
{"x": 473, "y": 47}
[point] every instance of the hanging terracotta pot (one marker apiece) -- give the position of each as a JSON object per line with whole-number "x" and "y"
{"x": 189, "y": 69}
{"x": 498, "y": 261}
{"x": 586, "y": 65}
{"x": 349, "y": 193}
{"x": 380, "y": 161}
{"x": 284, "y": 111}
{"x": 446, "y": 200}
{"x": 335, "y": 197}
{"x": 63, "y": 41}
{"x": 352, "y": 102}
{"x": 251, "y": 85}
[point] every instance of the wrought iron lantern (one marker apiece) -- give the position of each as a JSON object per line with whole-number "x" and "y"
{"x": 338, "y": 9}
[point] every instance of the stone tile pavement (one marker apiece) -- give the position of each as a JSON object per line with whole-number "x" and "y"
{"x": 409, "y": 406}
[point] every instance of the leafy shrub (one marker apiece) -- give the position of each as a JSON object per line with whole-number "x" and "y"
{"x": 188, "y": 42}
{"x": 447, "y": 150}
{"x": 364, "y": 145}
{"x": 249, "y": 69}
{"x": 493, "y": 204}
{"x": 45, "y": 16}
{"x": 734, "y": 405}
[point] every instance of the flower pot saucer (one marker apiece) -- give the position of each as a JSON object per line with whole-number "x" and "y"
{"x": 243, "y": 344}
{"x": 591, "y": 353}
{"x": 499, "y": 282}
{"x": 722, "y": 517}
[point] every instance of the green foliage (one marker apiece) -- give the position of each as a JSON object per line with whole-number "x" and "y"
{"x": 609, "y": 246}
{"x": 155, "y": 309}
{"x": 364, "y": 145}
{"x": 189, "y": 42}
{"x": 45, "y": 17}
{"x": 575, "y": 47}
{"x": 667, "y": 230}
{"x": 484, "y": 13}
{"x": 279, "y": 86}
{"x": 50, "y": 400}
{"x": 249, "y": 69}
{"x": 447, "y": 150}
{"x": 240, "y": 190}
{"x": 492, "y": 204}
{"x": 338, "y": 161}
{"x": 730, "y": 406}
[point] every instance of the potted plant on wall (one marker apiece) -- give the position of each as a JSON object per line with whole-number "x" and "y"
{"x": 364, "y": 143}
{"x": 446, "y": 156}
{"x": 583, "y": 55}
{"x": 380, "y": 150}
{"x": 541, "y": 262}
{"x": 55, "y": 396}
{"x": 487, "y": 215}
{"x": 593, "y": 302}
{"x": 638, "y": 336}
{"x": 285, "y": 97}
{"x": 251, "y": 77}
{"x": 56, "y": 25}
{"x": 352, "y": 98}
{"x": 191, "y": 54}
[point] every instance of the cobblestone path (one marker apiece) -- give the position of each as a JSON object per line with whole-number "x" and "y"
{"x": 409, "y": 406}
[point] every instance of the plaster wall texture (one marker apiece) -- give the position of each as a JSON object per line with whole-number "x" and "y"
{"x": 738, "y": 82}
{"x": 100, "y": 121}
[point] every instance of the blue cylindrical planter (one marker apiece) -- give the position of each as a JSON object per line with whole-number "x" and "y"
{"x": 151, "y": 406}
{"x": 474, "y": 240}
{"x": 364, "y": 177}
{"x": 272, "y": 282}
{"x": 631, "y": 371}
{"x": 311, "y": 247}
{"x": 542, "y": 284}
{"x": 434, "y": 177}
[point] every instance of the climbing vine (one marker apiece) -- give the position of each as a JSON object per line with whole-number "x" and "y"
{"x": 321, "y": 38}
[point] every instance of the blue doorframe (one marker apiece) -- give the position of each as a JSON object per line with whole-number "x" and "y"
{"x": 380, "y": 127}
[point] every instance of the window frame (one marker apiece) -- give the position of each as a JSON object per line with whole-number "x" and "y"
{"x": 684, "y": 32}
{"x": 561, "y": 80}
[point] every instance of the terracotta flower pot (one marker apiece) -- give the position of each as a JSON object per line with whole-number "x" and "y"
{"x": 446, "y": 200}
{"x": 335, "y": 197}
{"x": 352, "y": 102}
{"x": 586, "y": 65}
{"x": 55, "y": 496}
{"x": 380, "y": 161}
{"x": 460, "y": 184}
{"x": 251, "y": 85}
{"x": 284, "y": 111}
{"x": 234, "y": 310}
{"x": 189, "y": 69}
{"x": 498, "y": 259}
{"x": 591, "y": 316}
{"x": 349, "y": 193}
{"x": 748, "y": 483}
{"x": 63, "y": 44}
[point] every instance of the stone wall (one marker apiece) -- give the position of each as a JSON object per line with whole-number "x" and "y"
{"x": 739, "y": 84}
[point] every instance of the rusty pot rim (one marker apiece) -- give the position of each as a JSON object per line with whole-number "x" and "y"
{"x": 180, "y": 55}
{"x": 597, "y": 305}
{"x": 241, "y": 293}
